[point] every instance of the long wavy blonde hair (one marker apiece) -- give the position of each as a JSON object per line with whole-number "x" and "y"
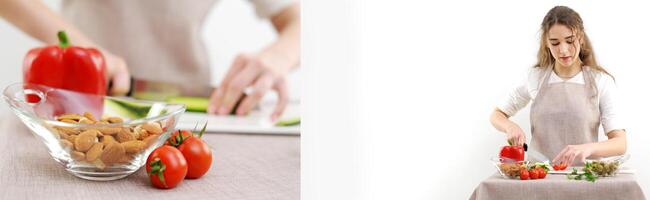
{"x": 566, "y": 16}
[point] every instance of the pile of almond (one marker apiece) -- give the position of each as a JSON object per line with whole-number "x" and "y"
{"x": 104, "y": 146}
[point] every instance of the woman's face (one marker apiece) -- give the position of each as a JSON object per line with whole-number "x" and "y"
{"x": 564, "y": 45}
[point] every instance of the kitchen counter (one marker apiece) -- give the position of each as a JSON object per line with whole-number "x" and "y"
{"x": 244, "y": 167}
{"x": 558, "y": 187}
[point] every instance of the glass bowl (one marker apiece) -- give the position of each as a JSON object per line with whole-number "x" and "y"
{"x": 93, "y": 137}
{"x": 608, "y": 166}
{"x": 508, "y": 169}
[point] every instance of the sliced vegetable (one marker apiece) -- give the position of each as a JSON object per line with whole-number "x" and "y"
{"x": 288, "y": 122}
{"x": 559, "y": 167}
{"x": 192, "y": 104}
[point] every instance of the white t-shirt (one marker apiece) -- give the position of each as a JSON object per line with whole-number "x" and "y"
{"x": 528, "y": 89}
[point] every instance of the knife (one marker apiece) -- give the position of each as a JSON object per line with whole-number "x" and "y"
{"x": 537, "y": 155}
{"x": 195, "y": 97}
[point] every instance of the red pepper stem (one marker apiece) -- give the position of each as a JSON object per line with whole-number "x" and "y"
{"x": 63, "y": 39}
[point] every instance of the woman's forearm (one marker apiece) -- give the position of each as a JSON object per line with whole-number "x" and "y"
{"x": 615, "y": 145}
{"x": 500, "y": 121}
{"x": 37, "y": 20}
{"x": 287, "y": 45}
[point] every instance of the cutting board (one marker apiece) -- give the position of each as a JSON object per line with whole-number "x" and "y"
{"x": 256, "y": 122}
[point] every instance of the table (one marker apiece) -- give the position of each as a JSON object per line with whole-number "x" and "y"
{"x": 244, "y": 167}
{"x": 558, "y": 187}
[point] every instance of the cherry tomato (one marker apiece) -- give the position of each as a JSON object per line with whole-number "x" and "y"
{"x": 523, "y": 174}
{"x": 166, "y": 167}
{"x": 174, "y": 136}
{"x": 542, "y": 173}
{"x": 198, "y": 156}
{"x": 559, "y": 167}
{"x": 534, "y": 174}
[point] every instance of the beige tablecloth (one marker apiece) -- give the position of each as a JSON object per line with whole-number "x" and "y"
{"x": 558, "y": 187}
{"x": 244, "y": 167}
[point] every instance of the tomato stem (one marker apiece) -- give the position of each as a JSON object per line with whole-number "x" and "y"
{"x": 63, "y": 39}
{"x": 157, "y": 168}
{"x": 178, "y": 140}
{"x": 203, "y": 129}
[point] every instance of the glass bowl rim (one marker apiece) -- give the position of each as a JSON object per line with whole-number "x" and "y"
{"x": 138, "y": 121}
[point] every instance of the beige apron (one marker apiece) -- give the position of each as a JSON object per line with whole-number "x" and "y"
{"x": 160, "y": 40}
{"x": 564, "y": 114}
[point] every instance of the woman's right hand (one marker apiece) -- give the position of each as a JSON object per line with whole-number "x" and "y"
{"x": 515, "y": 135}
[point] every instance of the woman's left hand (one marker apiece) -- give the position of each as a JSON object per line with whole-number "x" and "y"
{"x": 259, "y": 72}
{"x": 573, "y": 152}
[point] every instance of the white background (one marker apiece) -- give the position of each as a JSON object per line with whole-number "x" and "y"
{"x": 398, "y": 93}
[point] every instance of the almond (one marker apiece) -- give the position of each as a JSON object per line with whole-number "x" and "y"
{"x": 66, "y": 143}
{"x": 90, "y": 116}
{"x": 133, "y": 146}
{"x": 69, "y": 121}
{"x": 99, "y": 164}
{"x": 115, "y": 120}
{"x": 72, "y": 138}
{"x": 110, "y": 130}
{"x": 140, "y": 132}
{"x": 94, "y": 152}
{"x": 72, "y": 116}
{"x": 85, "y": 120}
{"x": 85, "y": 140}
{"x": 112, "y": 153}
{"x": 125, "y": 135}
{"x": 77, "y": 155}
{"x": 63, "y": 135}
{"x": 67, "y": 130}
{"x": 107, "y": 139}
{"x": 125, "y": 159}
{"x": 153, "y": 128}
{"x": 150, "y": 140}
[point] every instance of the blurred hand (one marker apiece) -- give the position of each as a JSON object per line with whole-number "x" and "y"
{"x": 515, "y": 134}
{"x": 573, "y": 152}
{"x": 118, "y": 73}
{"x": 258, "y": 72}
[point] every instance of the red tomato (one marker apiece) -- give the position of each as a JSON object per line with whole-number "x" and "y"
{"x": 174, "y": 136}
{"x": 166, "y": 167}
{"x": 534, "y": 174}
{"x": 523, "y": 174}
{"x": 559, "y": 167}
{"x": 198, "y": 156}
{"x": 542, "y": 173}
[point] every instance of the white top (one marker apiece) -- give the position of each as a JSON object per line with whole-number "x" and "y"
{"x": 607, "y": 101}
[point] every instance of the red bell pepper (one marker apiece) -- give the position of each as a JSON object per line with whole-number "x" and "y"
{"x": 72, "y": 68}
{"x": 66, "y": 67}
{"x": 514, "y": 153}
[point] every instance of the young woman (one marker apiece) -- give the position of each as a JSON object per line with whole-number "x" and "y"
{"x": 571, "y": 97}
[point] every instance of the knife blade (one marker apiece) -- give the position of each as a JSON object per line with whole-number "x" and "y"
{"x": 537, "y": 155}
{"x": 162, "y": 90}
